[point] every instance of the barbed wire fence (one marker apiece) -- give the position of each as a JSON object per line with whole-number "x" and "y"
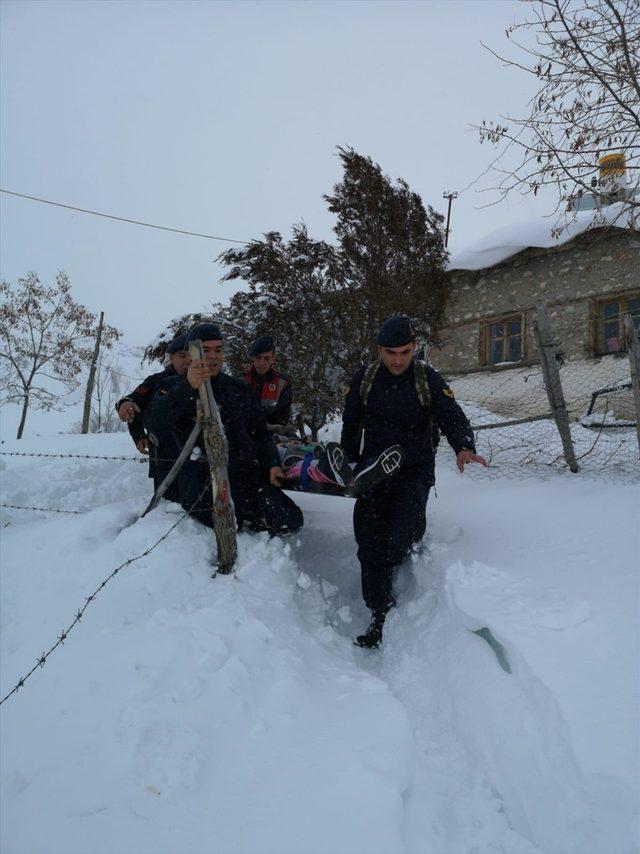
{"x": 42, "y": 659}
{"x": 73, "y": 456}
{"x": 580, "y": 414}
{"x": 41, "y": 509}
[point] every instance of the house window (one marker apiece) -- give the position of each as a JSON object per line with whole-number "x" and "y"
{"x": 501, "y": 340}
{"x": 610, "y": 322}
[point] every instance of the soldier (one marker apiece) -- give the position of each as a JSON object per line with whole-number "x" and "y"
{"x": 254, "y": 465}
{"x": 272, "y": 389}
{"x": 393, "y": 403}
{"x": 131, "y": 409}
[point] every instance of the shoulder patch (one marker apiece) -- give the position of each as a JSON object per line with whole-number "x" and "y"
{"x": 446, "y": 390}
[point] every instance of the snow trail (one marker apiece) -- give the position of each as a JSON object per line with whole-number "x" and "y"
{"x": 189, "y": 715}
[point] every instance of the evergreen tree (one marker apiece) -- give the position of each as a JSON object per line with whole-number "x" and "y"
{"x": 157, "y": 349}
{"x": 323, "y": 304}
{"x": 289, "y": 297}
{"x": 391, "y": 256}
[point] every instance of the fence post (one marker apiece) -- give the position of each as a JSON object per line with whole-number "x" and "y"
{"x": 542, "y": 330}
{"x": 92, "y": 376}
{"x": 633, "y": 349}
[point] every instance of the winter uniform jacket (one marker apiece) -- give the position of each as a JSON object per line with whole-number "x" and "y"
{"x": 273, "y": 392}
{"x": 173, "y": 411}
{"x": 142, "y": 396}
{"x": 394, "y": 415}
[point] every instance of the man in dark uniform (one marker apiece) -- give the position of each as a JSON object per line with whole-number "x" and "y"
{"x": 393, "y": 403}
{"x": 254, "y": 465}
{"x": 131, "y": 409}
{"x": 272, "y": 389}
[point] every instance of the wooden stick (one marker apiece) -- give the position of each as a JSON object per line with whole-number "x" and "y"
{"x": 184, "y": 455}
{"x": 552, "y": 383}
{"x": 215, "y": 443}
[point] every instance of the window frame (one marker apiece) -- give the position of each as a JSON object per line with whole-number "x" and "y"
{"x": 599, "y": 321}
{"x": 486, "y": 339}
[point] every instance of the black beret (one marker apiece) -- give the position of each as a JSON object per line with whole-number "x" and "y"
{"x": 179, "y": 343}
{"x": 396, "y": 331}
{"x": 263, "y": 344}
{"x": 204, "y": 332}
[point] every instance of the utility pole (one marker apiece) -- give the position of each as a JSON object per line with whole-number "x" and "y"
{"x": 451, "y": 197}
{"x": 92, "y": 375}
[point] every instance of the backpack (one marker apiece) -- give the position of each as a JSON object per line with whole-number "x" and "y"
{"x": 422, "y": 390}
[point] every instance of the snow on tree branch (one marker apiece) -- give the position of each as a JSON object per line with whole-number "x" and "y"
{"x": 585, "y": 56}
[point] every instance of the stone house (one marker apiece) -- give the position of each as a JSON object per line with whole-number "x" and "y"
{"x": 588, "y": 278}
{"x": 587, "y": 282}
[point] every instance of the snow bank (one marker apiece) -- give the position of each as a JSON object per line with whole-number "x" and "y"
{"x": 501, "y": 244}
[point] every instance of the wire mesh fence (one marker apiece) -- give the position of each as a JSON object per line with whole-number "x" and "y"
{"x": 513, "y": 416}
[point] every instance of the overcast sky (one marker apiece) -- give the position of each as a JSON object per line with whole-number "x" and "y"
{"x": 223, "y": 118}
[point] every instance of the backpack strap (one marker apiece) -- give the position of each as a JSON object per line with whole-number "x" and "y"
{"x": 424, "y": 396}
{"x": 420, "y": 378}
{"x": 422, "y": 386}
{"x": 367, "y": 381}
{"x": 365, "y": 387}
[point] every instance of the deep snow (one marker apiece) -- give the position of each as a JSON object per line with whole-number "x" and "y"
{"x": 190, "y": 715}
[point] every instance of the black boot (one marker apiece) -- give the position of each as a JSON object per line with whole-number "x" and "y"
{"x": 372, "y": 638}
{"x": 333, "y": 463}
{"x": 379, "y": 469}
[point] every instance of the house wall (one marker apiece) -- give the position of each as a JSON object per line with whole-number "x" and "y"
{"x": 568, "y": 279}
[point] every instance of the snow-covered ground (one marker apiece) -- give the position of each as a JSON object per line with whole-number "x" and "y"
{"x": 195, "y": 716}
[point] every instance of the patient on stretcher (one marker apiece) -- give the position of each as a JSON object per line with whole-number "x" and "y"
{"x": 312, "y": 467}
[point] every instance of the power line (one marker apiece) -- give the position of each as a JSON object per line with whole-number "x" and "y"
{"x": 122, "y": 218}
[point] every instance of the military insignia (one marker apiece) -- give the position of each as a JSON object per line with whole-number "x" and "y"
{"x": 447, "y": 391}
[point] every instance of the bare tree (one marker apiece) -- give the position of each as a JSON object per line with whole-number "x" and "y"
{"x": 46, "y": 340}
{"x": 108, "y": 389}
{"x": 585, "y": 55}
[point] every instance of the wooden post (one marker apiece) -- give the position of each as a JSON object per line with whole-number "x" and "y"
{"x": 215, "y": 443}
{"x": 174, "y": 471}
{"x": 542, "y": 330}
{"x": 92, "y": 376}
{"x": 633, "y": 349}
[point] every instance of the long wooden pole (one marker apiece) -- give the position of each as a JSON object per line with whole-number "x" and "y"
{"x": 215, "y": 443}
{"x": 173, "y": 472}
{"x": 553, "y": 384}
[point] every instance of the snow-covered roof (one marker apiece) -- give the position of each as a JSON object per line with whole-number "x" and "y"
{"x": 505, "y": 242}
